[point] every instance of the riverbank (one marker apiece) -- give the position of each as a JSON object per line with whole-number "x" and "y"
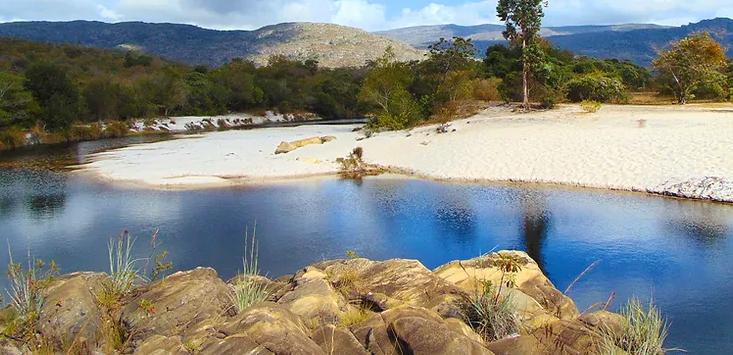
{"x": 350, "y": 306}
{"x": 659, "y": 149}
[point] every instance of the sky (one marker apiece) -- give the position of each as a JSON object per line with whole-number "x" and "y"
{"x": 371, "y": 15}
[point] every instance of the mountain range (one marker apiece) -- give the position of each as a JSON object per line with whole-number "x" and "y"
{"x": 331, "y": 45}
{"x": 338, "y": 46}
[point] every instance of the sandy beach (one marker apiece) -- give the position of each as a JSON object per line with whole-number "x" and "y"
{"x": 636, "y": 148}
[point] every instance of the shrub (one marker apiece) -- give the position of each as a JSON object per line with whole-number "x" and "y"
{"x": 85, "y": 133}
{"x": 487, "y": 89}
{"x": 12, "y": 137}
{"x": 590, "y": 106}
{"x": 246, "y": 290}
{"x": 595, "y": 87}
{"x": 116, "y": 129}
{"x": 644, "y": 331}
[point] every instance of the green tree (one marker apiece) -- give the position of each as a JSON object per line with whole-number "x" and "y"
{"x": 238, "y": 78}
{"x": 102, "y": 98}
{"x": 56, "y": 94}
{"x": 385, "y": 87}
{"x": 448, "y": 55}
{"x": 17, "y": 106}
{"x": 523, "y": 20}
{"x": 165, "y": 90}
{"x": 691, "y": 62}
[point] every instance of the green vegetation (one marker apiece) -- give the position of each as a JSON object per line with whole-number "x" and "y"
{"x": 26, "y": 300}
{"x": 693, "y": 64}
{"x": 123, "y": 269}
{"x": 523, "y": 20}
{"x": 247, "y": 288}
{"x": 590, "y": 106}
{"x": 644, "y": 331}
{"x": 56, "y": 93}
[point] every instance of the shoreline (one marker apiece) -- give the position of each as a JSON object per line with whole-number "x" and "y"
{"x": 388, "y": 175}
{"x": 523, "y": 148}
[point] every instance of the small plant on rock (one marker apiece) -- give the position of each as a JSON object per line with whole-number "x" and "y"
{"x": 354, "y": 316}
{"x": 25, "y": 290}
{"x": 643, "y": 333}
{"x": 247, "y": 291}
{"x": 490, "y": 311}
{"x": 123, "y": 269}
{"x": 492, "y": 317}
{"x": 352, "y": 254}
{"x": 590, "y": 106}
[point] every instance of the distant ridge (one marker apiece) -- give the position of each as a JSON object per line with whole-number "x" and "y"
{"x": 339, "y": 46}
{"x": 636, "y": 42}
{"x": 331, "y": 45}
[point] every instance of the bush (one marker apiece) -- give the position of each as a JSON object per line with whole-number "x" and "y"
{"x": 116, "y": 129}
{"x": 85, "y": 133}
{"x": 12, "y": 137}
{"x": 590, "y": 106}
{"x": 595, "y": 87}
{"x": 487, "y": 89}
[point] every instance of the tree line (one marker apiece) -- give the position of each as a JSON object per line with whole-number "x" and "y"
{"x": 56, "y": 90}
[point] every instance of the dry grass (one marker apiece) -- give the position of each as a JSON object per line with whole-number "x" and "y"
{"x": 354, "y": 316}
{"x": 246, "y": 291}
{"x": 644, "y": 332}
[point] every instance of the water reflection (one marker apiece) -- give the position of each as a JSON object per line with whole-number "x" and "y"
{"x": 536, "y": 219}
{"x": 681, "y": 252}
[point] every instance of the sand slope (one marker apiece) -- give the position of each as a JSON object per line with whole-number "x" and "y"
{"x": 608, "y": 149}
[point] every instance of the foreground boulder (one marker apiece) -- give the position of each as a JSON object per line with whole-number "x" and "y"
{"x": 179, "y": 304}
{"x": 287, "y": 147}
{"x": 529, "y": 280}
{"x": 70, "y": 313}
{"x": 354, "y": 306}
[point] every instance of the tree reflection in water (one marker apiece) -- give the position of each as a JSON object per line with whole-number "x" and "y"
{"x": 536, "y": 219}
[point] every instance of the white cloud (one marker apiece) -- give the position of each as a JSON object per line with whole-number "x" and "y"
{"x": 367, "y": 14}
{"x": 108, "y": 14}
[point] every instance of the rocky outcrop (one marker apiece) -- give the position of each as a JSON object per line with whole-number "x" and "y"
{"x": 354, "y": 306}
{"x": 70, "y": 312}
{"x": 180, "y": 304}
{"x": 287, "y": 147}
{"x": 704, "y": 188}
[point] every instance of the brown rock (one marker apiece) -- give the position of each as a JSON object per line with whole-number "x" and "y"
{"x": 69, "y": 312}
{"x": 392, "y": 282}
{"x": 313, "y": 298}
{"x": 335, "y": 340}
{"x": 183, "y": 303}
{"x": 268, "y": 326}
{"x": 414, "y": 330}
{"x": 530, "y": 280}
{"x": 161, "y": 345}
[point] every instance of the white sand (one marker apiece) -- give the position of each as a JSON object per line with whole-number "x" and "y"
{"x": 607, "y": 149}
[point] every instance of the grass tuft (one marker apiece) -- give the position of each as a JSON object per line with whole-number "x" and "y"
{"x": 353, "y": 317}
{"x": 493, "y": 317}
{"x": 247, "y": 291}
{"x": 123, "y": 268}
{"x": 644, "y": 331}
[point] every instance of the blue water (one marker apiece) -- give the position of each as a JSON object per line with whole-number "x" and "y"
{"x": 677, "y": 252}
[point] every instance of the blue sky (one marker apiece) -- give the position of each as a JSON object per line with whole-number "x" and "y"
{"x": 366, "y": 14}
